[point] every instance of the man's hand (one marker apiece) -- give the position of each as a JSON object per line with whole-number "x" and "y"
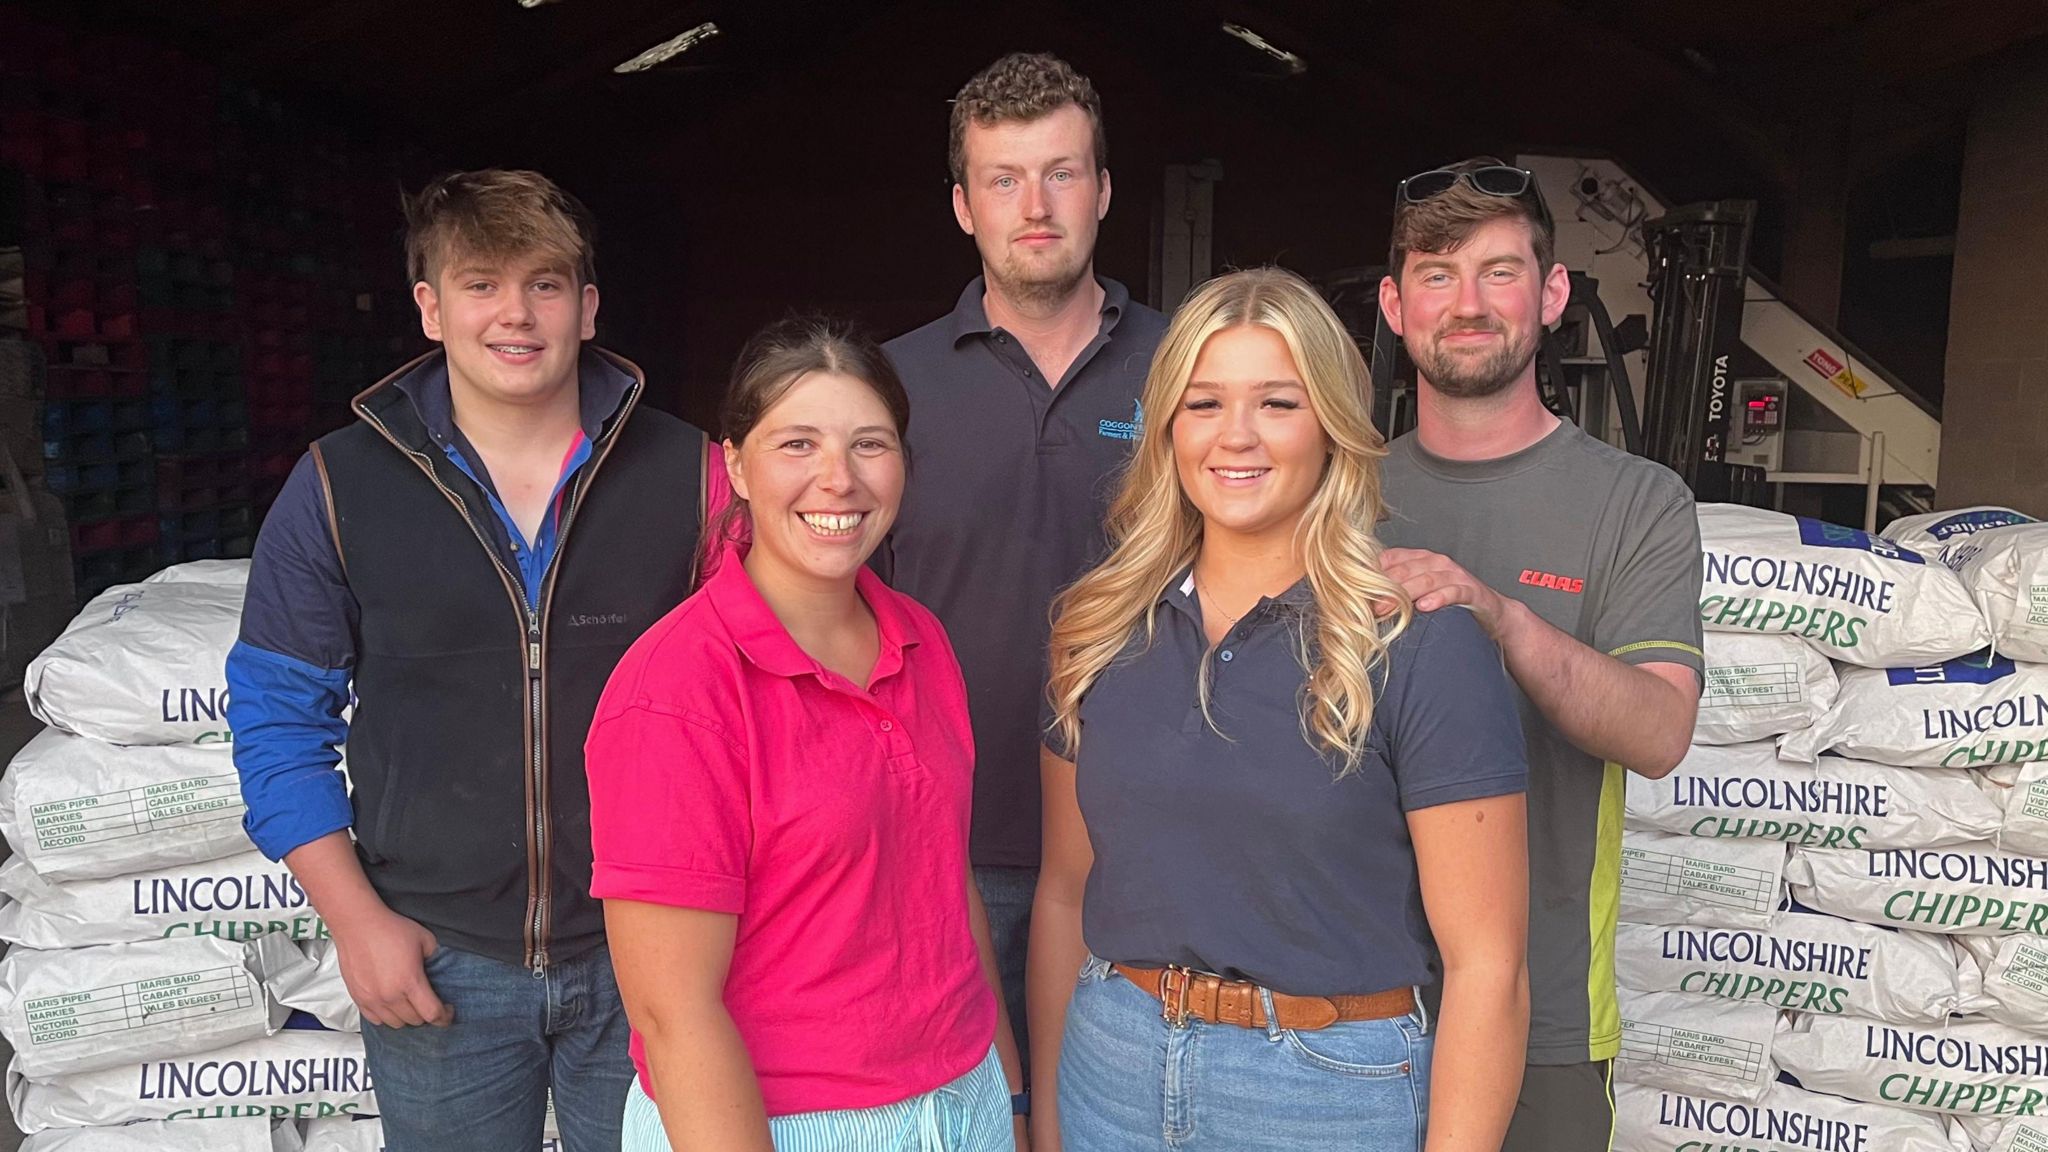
{"x": 383, "y": 962}
{"x": 1433, "y": 580}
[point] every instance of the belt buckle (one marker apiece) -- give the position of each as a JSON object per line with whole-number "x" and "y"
{"x": 1173, "y": 995}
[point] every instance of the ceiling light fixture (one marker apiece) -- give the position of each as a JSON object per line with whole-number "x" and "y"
{"x": 1295, "y": 65}
{"x": 536, "y": 3}
{"x": 669, "y": 49}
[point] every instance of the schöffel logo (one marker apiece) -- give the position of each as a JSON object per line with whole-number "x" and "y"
{"x": 1535, "y": 579}
{"x": 1124, "y": 429}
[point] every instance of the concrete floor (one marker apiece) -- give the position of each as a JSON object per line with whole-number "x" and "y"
{"x": 16, "y": 728}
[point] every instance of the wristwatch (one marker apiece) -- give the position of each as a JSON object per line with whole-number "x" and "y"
{"x": 1020, "y": 1103}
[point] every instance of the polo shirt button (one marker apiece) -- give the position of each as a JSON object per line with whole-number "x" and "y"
{"x": 888, "y": 725}
{"x": 1224, "y": 655}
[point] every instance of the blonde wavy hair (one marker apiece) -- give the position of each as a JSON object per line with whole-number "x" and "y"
{"x": 1155, "y": 532}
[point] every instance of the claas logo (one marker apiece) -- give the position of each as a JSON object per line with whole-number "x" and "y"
{"x": 1535, "y": 579}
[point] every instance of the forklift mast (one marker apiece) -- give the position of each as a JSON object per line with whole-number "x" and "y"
{"x": 1698, "y": 257}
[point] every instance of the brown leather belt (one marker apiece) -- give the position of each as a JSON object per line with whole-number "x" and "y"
{"x": 1185, "y": 994}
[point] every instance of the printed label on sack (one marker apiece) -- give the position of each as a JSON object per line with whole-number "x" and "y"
{"x": 1753, "y": 686}
{"x": 1978, "y": 890}
{"x": 1969, "y": 1067}
{"x": 1822, "y": 534}
{"x": 1965, "y": 523}
{"x": 1804, "y": 962}
{"x": 138, "y": 1004}
{"x": 2029, "y": 968}
{"x": 1708, "y": 881}
{"x": 1732, "y": 791}
{"x": 83, "y": 820}
{"x": 1784, "y": 1119}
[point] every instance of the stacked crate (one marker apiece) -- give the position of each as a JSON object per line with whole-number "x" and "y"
{"x": 211, "y": 277}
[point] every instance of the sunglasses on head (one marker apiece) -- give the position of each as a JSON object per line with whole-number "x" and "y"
{"x": 1492, "y": 180}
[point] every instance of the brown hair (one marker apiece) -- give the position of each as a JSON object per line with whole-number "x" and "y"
{"x": 769, "y": 366}
{"x": 496, "y": 214}
{"x": 1022, "y": 86}
{"x": 1445, "y": 221}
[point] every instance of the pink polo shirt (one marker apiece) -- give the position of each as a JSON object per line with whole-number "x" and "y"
{"x": 730, "y": 771}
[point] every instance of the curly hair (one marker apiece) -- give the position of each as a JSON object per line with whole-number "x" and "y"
{"x": 1155, "y": 531}
{"x": 1022, "y": 86}
{"x": 493, "y": 214}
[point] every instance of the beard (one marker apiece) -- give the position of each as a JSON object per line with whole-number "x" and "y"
{"x": 1040, "y": 283}
{"x": 1476, "y": 373}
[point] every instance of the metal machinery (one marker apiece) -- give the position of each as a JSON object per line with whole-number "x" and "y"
{"x": 1740, "y": 392}
{"x": 1708, "y": 370}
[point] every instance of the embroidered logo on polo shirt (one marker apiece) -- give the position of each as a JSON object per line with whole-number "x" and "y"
{"x": 1535, "y": 579}
{"x": 1124, "y": 429}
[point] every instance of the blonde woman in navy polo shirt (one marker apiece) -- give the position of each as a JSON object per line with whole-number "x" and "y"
{"x": 1273, "y": 790}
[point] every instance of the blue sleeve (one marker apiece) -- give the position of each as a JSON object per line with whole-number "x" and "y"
{"x": 1453, "y": 725}
{"x": 288, "y": 676}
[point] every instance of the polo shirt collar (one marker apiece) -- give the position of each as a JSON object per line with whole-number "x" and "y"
{"x": 1180, "y": 593}
{"x": 970, "y": 317}
{"x": 767, "y": 645}
{"x": 601, "y": 393}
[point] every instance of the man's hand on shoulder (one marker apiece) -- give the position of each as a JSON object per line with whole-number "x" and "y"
{"x": 1434, "y": 580}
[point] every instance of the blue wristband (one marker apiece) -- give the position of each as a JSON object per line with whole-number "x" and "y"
{"x": 1020, "y": 1103}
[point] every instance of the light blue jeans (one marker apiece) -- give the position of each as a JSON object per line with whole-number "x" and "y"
{"x": 970, "y": 1114}
{"x": 1129, "y": 1080}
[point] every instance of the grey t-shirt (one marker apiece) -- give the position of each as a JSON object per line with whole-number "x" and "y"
{"x": 1605, "y": 547}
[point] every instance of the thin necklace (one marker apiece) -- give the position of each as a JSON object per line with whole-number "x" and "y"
{"x": 1207, "y": 600}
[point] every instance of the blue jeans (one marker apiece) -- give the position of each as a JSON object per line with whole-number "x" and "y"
{"x": 1129, "y": 1080}
{"x": 1007, "y": 894}
{"x": 970, "y": 1114}
{"x": 482, "y": 1082}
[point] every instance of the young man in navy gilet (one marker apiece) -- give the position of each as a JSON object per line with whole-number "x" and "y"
{"x": 468, "y": 560}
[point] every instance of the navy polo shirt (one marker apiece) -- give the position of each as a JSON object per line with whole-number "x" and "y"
{"x": 1008, "y": 486}
{"x": 1236, "y": 849}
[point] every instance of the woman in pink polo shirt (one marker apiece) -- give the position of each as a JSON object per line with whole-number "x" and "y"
{"x": 780, "y": 773}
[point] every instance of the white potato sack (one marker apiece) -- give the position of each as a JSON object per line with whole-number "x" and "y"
{"x": 2025, "y": 801}
{"x": 1748, "y": 791}
{"x": 1969, "y": 1066}
{"x": 1804, "y": 961}
{"x": 171, "y": 1136}
{"x": 1671, "y": 879}
{"x": 1856, "y": 597}
{"x": 1785, "y": 1119}
{"x": 294, "y": 1075}
{"x": 312, "y": 983}
{"x": 1696, "y": 1044}
{"x": 81, "y": 1009}
{"x": 2006, "y": 573}
{"x": 1930, "y": 532}
{"x": 229, "y": 573}
{"x": 239, "y": 898}
{"x": 2007, "y": 979}
{"x": 2012, "y": 1134}
{"x": 342, "y": 1134}
{"x": 77, "y": 809}
{"x": 142, "y": 664}
{"x": 1759, "y": 686}
{"x": 1969, "y": 713}
{"x": 1967, "y": 889}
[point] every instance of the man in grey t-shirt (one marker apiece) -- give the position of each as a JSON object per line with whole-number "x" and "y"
{"x": 1581, "y": 561}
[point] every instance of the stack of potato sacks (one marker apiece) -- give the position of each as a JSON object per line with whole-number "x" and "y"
{"x": 166, "y": 987}
{"x": 1835, "y": 911}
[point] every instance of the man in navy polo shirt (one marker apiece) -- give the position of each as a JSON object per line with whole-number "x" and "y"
{"x": 1026, "y": 398}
